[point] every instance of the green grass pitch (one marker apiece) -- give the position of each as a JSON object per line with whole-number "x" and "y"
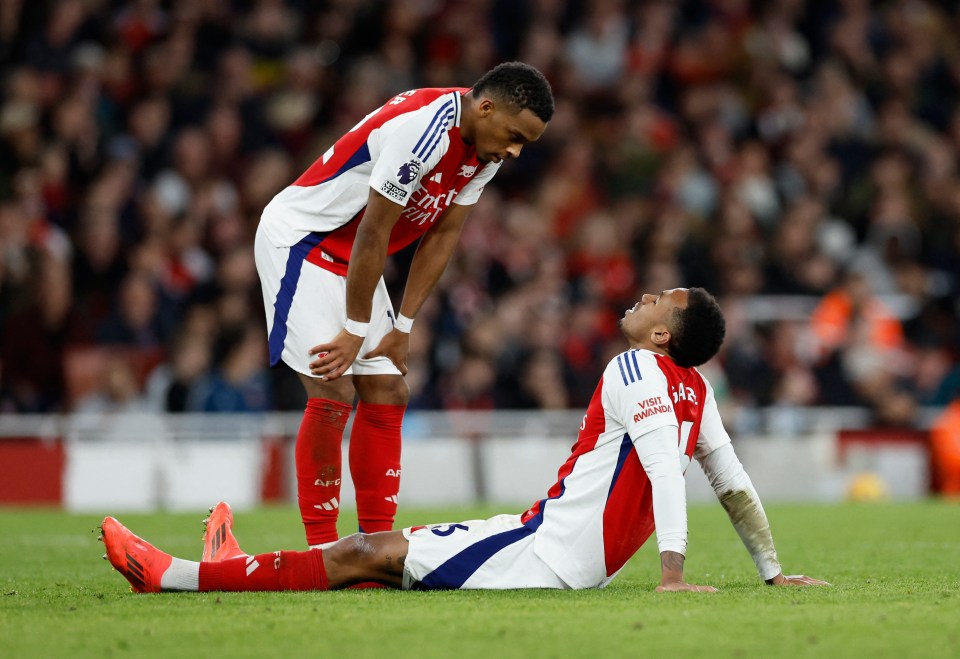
{"x": 895, "y": 570}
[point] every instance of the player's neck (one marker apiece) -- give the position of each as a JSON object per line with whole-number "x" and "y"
{"x": 468, "y": 106}
{"x": 648, "y": 345}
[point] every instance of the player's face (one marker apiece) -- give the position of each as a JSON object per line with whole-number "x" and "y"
{"x": 502, "y": 134}
{"x": 652, "y": 313}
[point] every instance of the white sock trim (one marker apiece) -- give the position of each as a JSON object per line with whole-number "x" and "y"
{"x": 181, "y": 575}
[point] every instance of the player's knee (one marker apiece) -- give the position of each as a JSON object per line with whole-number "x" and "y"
{"x": 383, "y": 390}
{"x": 398, "y": 391}
{"x": 340, "y": 390}
{"x": 353, "y": 551}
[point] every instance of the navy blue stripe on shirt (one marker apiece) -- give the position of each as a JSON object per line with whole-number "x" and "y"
{"x": 437, "y": 123}
{"x": 360, "y": 156}
{"x": 429, "y": 130}
{"x": 626, "y": 445}
{"x": 633, "y": 356}
{"x": 622, "y": 374}
{"x": 437, "y": 136}
{"x": 534, "y": 522}
{"x": 288, "y": 286}
{"x": 626, "y": 361}
{"x": 456, "y": 570}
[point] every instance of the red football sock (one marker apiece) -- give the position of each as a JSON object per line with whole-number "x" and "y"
{"x": 375, "y": 464}
{"x": 280, "y": 570}
{"x": 319, "y": 462}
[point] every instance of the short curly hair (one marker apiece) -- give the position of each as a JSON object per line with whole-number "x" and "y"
{"x": 698, "y": 329}
{"x": 520, "y": 85}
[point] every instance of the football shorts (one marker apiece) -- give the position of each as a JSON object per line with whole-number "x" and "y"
{"x": 495, "y": 553}
{"x": 306, "y": 306}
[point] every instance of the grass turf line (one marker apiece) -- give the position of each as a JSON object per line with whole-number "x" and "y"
{"x": 894, "y": 566}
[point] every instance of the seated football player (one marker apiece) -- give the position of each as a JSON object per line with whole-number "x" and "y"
{"x": 651, "y": 413}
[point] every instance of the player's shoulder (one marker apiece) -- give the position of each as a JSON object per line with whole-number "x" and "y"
{"x": 674, "y": 372}
{"x": 426, "y": 101}
{"x": 633, "y": 367}
{"x": 421, "y": 115}
{"x": 429, "y": 93}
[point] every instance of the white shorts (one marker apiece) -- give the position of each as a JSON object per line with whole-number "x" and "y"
{"x": 494, "y": 554}
{"x": 306, "y": 305}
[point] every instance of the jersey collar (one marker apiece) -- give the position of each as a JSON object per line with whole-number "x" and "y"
{"x": 457, "y": 106}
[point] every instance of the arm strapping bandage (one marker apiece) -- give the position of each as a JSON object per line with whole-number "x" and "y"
{"x": 738, "y": 497}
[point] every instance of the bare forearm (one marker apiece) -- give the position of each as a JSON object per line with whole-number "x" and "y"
{"x": 425, "y": 272}
{"x": 432, "y": 257}
{"x": 369, "y": 254}
{"x": 366, "y": 267}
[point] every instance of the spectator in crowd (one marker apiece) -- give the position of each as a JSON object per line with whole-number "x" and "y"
{"x": 34, "y": 339}
{"x": 239, "y": 383}
{"x": 860, "y": 348}
{"x": 118, "y": 392}
{"x": 134, "y": 322}
{"x": 176, "y": 386}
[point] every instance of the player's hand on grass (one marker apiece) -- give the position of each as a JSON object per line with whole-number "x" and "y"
{"x": 671, "y": 575}
{"x": 335, "y": 357}
{"x": 395, "y": 346}
{"x": 683, "y": 587}
{"x": 796, "y": 580}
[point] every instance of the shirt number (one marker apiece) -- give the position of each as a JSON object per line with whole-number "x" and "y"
{"x": 450, "y": 529}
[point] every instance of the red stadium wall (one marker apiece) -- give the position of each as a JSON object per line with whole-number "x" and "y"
{"x": 31, "y": 470}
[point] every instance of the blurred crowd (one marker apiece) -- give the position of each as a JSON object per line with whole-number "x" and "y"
{"x": 806, "y": 151}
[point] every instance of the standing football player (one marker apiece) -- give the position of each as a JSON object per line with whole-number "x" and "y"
{"x": 651, "y": 413}
{"x": 410, "y": 170}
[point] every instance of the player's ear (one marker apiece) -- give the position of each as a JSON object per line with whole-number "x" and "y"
{"x": 486, "y": 106}
{"x": 660, "y": 335}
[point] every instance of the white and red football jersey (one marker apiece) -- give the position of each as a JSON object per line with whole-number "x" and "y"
{"x": 409, "y": 150}
{"x": 600, "y": 511}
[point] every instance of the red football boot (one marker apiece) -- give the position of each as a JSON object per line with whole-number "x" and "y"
{"x": 137, "y": 560}
{"x": 219, "y": 543}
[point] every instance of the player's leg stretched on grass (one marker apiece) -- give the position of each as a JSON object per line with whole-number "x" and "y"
{"x": 219, "y": 543}
{"x": 355, "y": 559}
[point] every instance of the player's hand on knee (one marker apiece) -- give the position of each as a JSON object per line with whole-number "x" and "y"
{"x": 796, "y": 580}
{"x": 683, "y": 587}
{"x": 335, "y": 357}
{"x": 395, "y": 346}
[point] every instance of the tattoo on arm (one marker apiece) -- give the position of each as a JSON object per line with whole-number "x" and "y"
{"x": 671, "y": 560}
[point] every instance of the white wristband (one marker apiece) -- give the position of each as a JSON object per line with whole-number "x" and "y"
{"x": 357, "y": 328}
{"x": 403, "y": 324}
